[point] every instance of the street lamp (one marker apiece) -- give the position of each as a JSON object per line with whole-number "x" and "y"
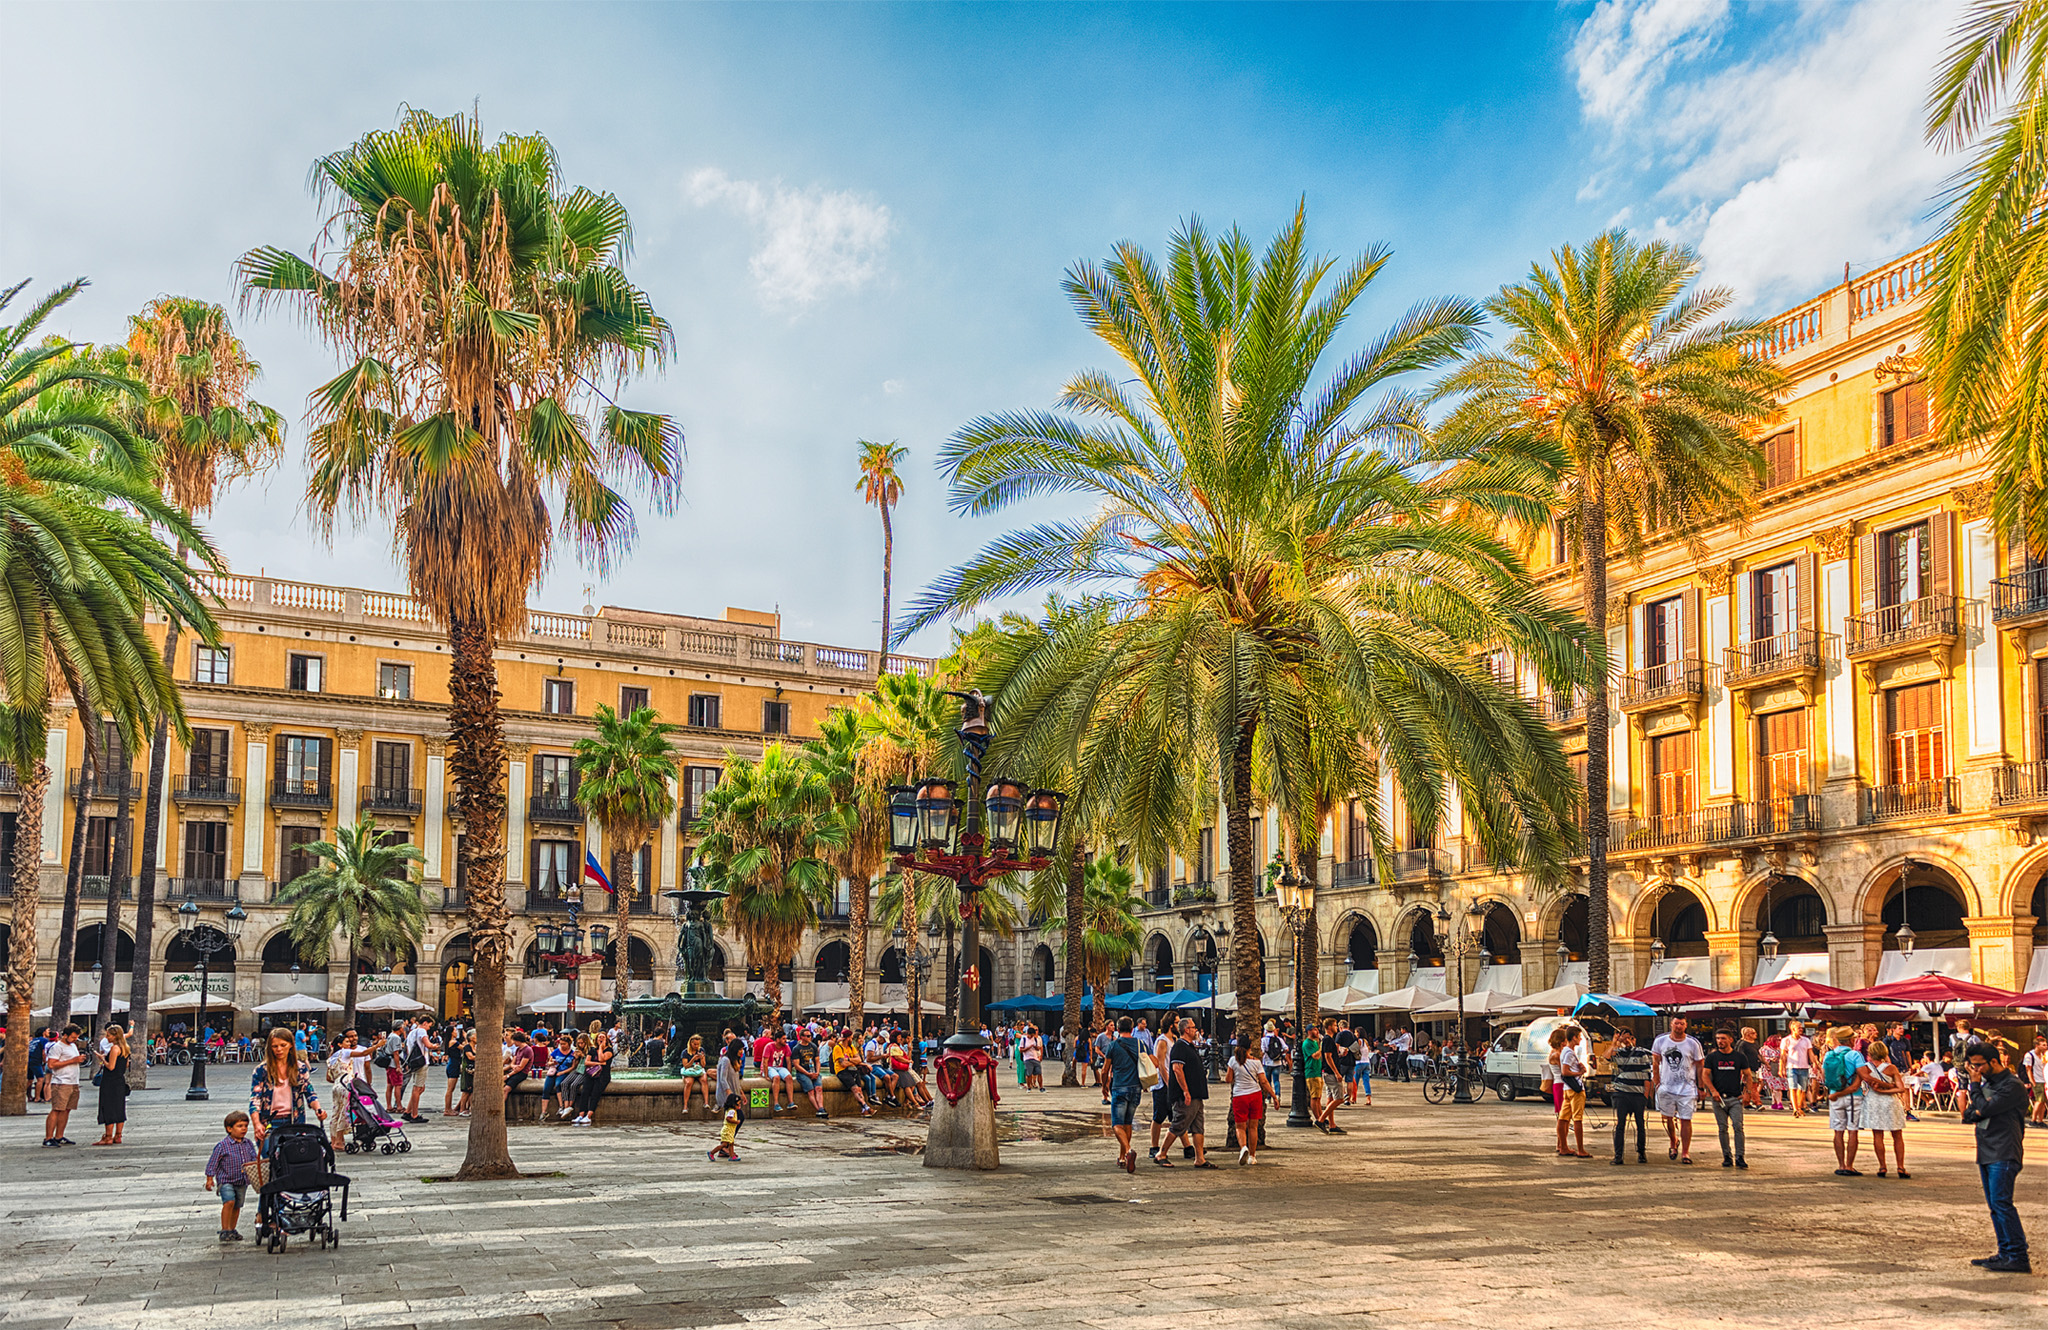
{"x": 1297, "y": 905}
{"x": 206, "y": 942}
{"x": 1904, "y": 937}
{"x": 561, "y": 946}
{"x": 1456, "y": 944}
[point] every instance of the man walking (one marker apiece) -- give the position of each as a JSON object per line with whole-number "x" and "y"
{"x": 1679, "y": 1059}
{"x": 1730, "y": 1071}
{"x": 1998, "y": 1105}
{"x": 1399, "y": 1047}
{"x": 1122, "y": 1056}
{"x": 2035, "y": 1065}
{"x": 1631, "y": 1089}
{"x": 1191, "y": 1094}
{"x": 419, "y": 1052}
{"x": 1797, "y": 1050}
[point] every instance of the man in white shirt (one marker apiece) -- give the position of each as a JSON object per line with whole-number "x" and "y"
{"x": 1679, "y": 1061}
{"x": 62, "y": 1057}
{"x": 1797, "y": 1050}
{"x": 2035, "y": 1069}
{"x": 351, "y": 1061}
{"x": 420, "y": 1049}
{"x": 1402, "y": 1043}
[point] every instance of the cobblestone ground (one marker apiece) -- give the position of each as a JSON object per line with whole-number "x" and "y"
{"x": 1449, "y": 1215}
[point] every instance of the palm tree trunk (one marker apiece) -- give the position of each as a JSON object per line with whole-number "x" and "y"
{"x": 477, "y": 754}
{"x": 622, "y": 909}
{"x": 74, "y": 873}
{"x": 771, "y": 987}
{"x": 1077, "y": 963}
{"x": 888, "y": 560}
{"x": 348, "y": 992}
{"x": 857, "y": 953}
{"x": 1247, "y": 969}
{"x": 110, "y": 935}
{"x": 145, "y": 875}
{"x": 1593, "y": 541}
{"x": 1308, "y": 982}
{"x": 27, "y": 870}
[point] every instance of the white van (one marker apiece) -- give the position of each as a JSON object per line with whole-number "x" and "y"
{"x": 1515, "y": 1061}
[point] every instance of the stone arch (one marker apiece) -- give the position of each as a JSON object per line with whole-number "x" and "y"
{"x": 1878, "y": 884}
{"x": 1500, "y": 924}
{"x": 1791, "y": 908}
{"x": 1159, "y": 957}
{"x": 2025, "y": 887}
{"x": 1677, "y": 912}
{"x": 1567, "y": 922}
{"x": 1932, "y": 898}
{"x": 456, "y": 990}
{"x": 1358, "y": 941}
{"x": 833, "y": 963}
{"x": 279, "y": 954}
{"x": 639, "y": 959}
{"x": 1416, "y": 933}
{"x": 889, "y": 968}
{"x": 1201, "y": 954}
{"x": 406, "y": 962}
{"x": 991, "y": 974}
{"x": 86, "y": 951}
{"x": 181, "y": 958}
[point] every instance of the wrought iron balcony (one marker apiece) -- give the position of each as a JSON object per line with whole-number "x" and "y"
{"x": 96, "y": 888}
{"x": 1194, "y": 893}
{"x": 1788, "y": 815}
{"x": 290, "y": 792}
{"x": 10, "y": 783}
{"x": 2020, "y": 783}
{"x": 202, "y": 888}
{"x": 1790, "y": 655}
{"x": 390, "y": 799}
{"x": 1670, "y": 684}
{"x": 557, "y": 809}
{"x": 205, "y": 789}
{"x": 1920, "y": 798}
{"x": 1898, "y": 629}
{"x": 1355, "y": 873}
{"x": 454, "y": 898}
{"x": 106, "y": 784}
{"x": 2021, "y": 599}
{"x": 1664, "y": 831}
{"x": 1563, "y": 710}
{"x": 1427, "y": 862}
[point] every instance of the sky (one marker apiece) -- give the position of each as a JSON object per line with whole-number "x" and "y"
{"x": 857, "y": 217}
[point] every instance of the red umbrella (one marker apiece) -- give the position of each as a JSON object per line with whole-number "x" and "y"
{"x": 2038, "y": 998}
{"x": 1673, "y": 994}
{"x": 1933, "y": 990}
{"x": 1785, "y": 993}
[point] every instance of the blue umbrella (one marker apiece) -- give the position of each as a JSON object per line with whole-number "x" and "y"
{"x": 1183, "y": 997}
{"x": 1611, "y": 1005}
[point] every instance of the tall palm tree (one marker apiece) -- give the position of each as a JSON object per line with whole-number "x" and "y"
{"x": 363, "y": 890}
{"x": 845, "y": 757}
{"x": 1258, "y": 544}
{"x": 487, "y": 322}
{"x": 626, "y": 773}
{"x": 1618, "y": 387}
{"x": 208, "y": 433}
{"x": 79, "y": 569}
{"x": 881, "y": 486}
{"x": 1981, "y": 332}
{"x": 1110, "y": 930}
{"x": 767, "y": 830}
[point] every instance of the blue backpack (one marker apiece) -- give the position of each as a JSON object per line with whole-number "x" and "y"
{"x": 1837, "y": 1071}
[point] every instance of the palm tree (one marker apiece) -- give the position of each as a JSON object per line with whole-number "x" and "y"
{"x": 767, "y": 829}
{"x": 1989, "y": 297}
{"x": 845, "y": 757}
{"x": 208, "y": 433}
{"x": 487, "y": 322}
{"x": 880, "y": 486}
{"x": 1258, "y": 546}
{"x": 79, "y": 569}
{"x": 1110, "y": 930}
{"x": 1617, "y": 388}
{"x": 362, "y": 891}
{"x": 626, "y": 774}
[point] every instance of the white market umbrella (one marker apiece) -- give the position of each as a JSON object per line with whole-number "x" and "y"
{"x": 1483, "y": 1002}
{"x": 389, "y": 1002}
{"x": 1338, "y": 999}
{"x": 88, "y": 1003}
{"x": 557, "y": 1002}
{"x": 190, "y": 1002}
{"x": 1278, "y": 1002}
{"x": 295, "y": 1002}
{"x": 1401, "y": 999}
{"x": 1550, "y": 999}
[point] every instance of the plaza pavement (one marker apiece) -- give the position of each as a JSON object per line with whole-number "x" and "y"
{"x": 1451, "y": 1215}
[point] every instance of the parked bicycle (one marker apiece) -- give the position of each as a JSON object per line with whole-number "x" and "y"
{"x": 1459, "y": 1079}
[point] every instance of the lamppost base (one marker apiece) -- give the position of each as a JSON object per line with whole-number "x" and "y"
{"x": 197, "y": 1093}
{"x": 1297, "y": 1112}
{"x": 965, "y": 1041}
{"x": 963, "y": 1135}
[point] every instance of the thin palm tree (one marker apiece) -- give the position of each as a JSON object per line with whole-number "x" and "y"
{"x": 208, "y": 433}
{"x": 882, "y": 487}
{"x": 1981, "y": 333}
{"x": 488, "y": 322}
{"x": 845, "y": 757}
{"x": 626, "y": 773}
{"x": 1621, "y": 389}
{"x": 768, "y": 829}
{"x": 1110, "y": 929}
{"x": 363, "y": 890}
{"x": 1260, "y": 541}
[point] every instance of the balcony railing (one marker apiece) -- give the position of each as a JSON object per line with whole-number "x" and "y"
{"x": 2020, "y": 783}
{"x": 1562, "y": 708}
{"x": 1161, "y": 895}
{"x": 1920, "y": 798}
{"x": 288, "y": 792}
{"x": 1662, "y": 831}
{"x": 1429, "y": 862}
{"x": 1800, "y": 651}
{"x": 1194, "y": 893}
{"x": 1928, "y": 619}
{"x": 203, "y": 888}
{"x": 1788, "y": 815}
{"x": 95, "y": 888}
{"x": 454, "y": 898}
{"x": 1673, "y": 681}
{"x": 106, "y": 784}
{"x": 1355, "y": 873}
{"x": 2022, "y": 596}
{"x": 560, "y": 809}
{"x": 205, "y": 789}
{"x": 10, "y": 783}
{"x": 390, "y": 799}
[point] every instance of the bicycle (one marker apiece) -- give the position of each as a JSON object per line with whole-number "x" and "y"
{"x": 1462, "y": 1080}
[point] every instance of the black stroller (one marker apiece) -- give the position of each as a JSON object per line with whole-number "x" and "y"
{"x": 296, "y": 1199}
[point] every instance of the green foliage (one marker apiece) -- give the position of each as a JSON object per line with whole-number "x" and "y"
{"x": 364, "y": 890}
{"x": 624, "y": 772}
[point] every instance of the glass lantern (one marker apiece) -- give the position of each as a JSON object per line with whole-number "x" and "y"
{"x": 902, "y": 819}
{"x": 1042, "y": 822}
{"x": 1003, "y": 809}
{"x": 938, "y": 813}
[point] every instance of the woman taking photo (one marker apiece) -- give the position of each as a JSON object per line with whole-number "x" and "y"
{"x": 280, "y": 1091}
{"x": 113, "y": 1082}
{"x": 597, "y": 1073}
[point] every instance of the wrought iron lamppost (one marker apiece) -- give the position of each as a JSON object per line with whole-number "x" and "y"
{"x": 1456, "y": 944}
{"x": 207, "y": 942}
{"x": 917, "y": 965}
{"x": 561, "y": 946}
{"x": 1297, "y": 898}
{"x": 970, "y": 841}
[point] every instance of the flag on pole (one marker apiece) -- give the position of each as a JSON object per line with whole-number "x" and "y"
{"x": 592, "y": 873}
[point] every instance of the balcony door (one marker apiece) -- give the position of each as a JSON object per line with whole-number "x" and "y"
{"x": 1905, "y": 565}
{"x": 392, "y": 769}
{"x": 2041, "y": 707}
{"x": 1916, "y": 735}
{"x": 1664, "y": 632}
{"x": 207, "y": 763}
{"x": 1671, "y": 769}
{"x": 1781, "y": 753}
{"x": 294, "y": 860}
{"x": 1774, "y": 601}
{"x": 206, "y": 851}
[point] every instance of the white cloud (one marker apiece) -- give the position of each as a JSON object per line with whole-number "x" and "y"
{"x": 892, "y": 386}
{"x": 1782, "y": 164}
{"x": 814, "y": 241}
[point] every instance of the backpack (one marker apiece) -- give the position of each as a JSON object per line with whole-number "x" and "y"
{"x": 1836, "y": 1072}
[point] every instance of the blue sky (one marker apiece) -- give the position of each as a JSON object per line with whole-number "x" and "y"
{"x": 857, "y": 216}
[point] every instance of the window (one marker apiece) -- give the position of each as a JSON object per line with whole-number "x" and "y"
{"x": 206, "y": 851}
{"x": 1905, "y": 568}
{"x": 303, "y": 674}
{"x": 208, "y": 760}
{"x": 698, "y": 782}
{"x": 555, "y": 865}
{"x": 1781, "y": 459}
{"x": 1205, "y": 856}
{"x": 1781, "y": 753}
{"x": 1916, "y": 742}
{"x": 558, "y": 697}
{"x": 391, "y": 769}
{"x": 303, "y": 764}
{"x": 209, "y": 664}
{"x": 1671, "y": 773}
{"x": 294, "y": 860}
{"x": 1664, "y": 632}
{"x": 554, "y": 776}
{"x": 1502, "y": 667}
{"x": 2040, "y": 714}
{"x": 631, "y": 700}
{"x": 1773, "y": 600}
{"x": 1357, "y": 842}
{"x": 99, "y": 846}
{"x": 775, "y": 718}
{"x": 704, "y": 710}
{"x": 7, "y": 842}
{"x": 1560, "y": 541}
{"x": 1905, "y": 413}
{"x": 1258, "y": 844}
{"x": 394, "y": 683}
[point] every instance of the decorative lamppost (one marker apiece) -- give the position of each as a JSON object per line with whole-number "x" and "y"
{"x": 206, "y": 942}
{"x": 1297, "y": 898}
{"x": 917, "y": 964}
{"x": 1904, "y": 937}
{"x": 1456, "y": 944}
{"x": 561, "y": 946}
{"x": 970, "y": 841}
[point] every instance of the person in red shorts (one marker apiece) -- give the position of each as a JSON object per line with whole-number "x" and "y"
{"x": 1249, "y": 1093}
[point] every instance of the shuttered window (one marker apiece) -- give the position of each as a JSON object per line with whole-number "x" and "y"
{"x": 1905, "y": 413}
{"x": 704, "y": 710}
{"x": 556, "y": 865}
{"x": 1905, "y": 565}
{"x": 698, "y": 782}
{"x": 1774, "y": 600}
{"x": 393, "y": 767}
{"x": 1916, "y": 734}
{"x": 1781, "y": 459}
{"x": 206, "y": 851}
{"x": 209, "y": 756}
{"x": 293, "y": 860}
{"x": 1671, "y": 770}
{"x": 631, "y": 700}
{"x": 1781, "y": 753}
{"x": 1664, "y": 629}
{"x": 303, "y": 764}
{"x": 554, "y": 776}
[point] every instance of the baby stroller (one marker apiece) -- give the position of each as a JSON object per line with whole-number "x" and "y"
{"x": 295, "y": 1200}
{"x": 370, "y": 1123}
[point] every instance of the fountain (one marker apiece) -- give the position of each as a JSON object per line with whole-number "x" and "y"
{"x": 697, "y": 1009}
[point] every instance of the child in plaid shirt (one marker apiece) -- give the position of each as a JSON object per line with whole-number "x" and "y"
{"x": 228, "y": 1167}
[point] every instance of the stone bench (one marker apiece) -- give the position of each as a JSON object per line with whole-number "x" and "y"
{"x": 660, "y": 1099}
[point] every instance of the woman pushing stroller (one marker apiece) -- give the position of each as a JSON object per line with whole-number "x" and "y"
{"x": 281, "y": 1090}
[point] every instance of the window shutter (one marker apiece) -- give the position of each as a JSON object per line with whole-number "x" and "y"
{"x": 1941, "y": 537}
{"x": 1888, "y": 411}
{"x": 532, "y": 863}
{"x": 1689, "y": 615}
{"x": 1633, "y": 650}
{"x": 326, "y": 761}
{"x": 277, "y": 756}
{"x": 1745, "y": 582}
{"x": 1806, "y": 590}
{"x": 1866, "y": 572}
{"x": 1915, "y": 395}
